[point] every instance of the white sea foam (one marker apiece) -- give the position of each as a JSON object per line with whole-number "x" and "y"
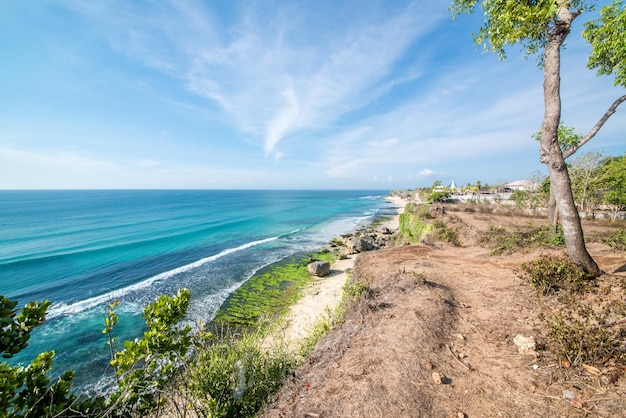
{"x": 82, "y": 305}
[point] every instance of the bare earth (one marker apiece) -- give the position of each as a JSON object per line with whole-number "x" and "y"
{"x": 433, "y": 337}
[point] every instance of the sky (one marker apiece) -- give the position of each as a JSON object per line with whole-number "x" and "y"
{"x": 319, "y": 94}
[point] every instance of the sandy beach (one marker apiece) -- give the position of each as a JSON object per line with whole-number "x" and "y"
{"x": 322, "y": 295}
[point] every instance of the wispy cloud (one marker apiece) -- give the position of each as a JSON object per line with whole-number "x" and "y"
{"x": 306, "y": 69}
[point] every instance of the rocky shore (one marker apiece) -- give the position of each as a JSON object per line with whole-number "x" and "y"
{"x": 325, "y": 291}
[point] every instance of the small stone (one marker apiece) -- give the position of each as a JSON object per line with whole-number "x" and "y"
{"x": 439, "y": 378}
{"x": 525, "y": 345}
{"x": 568, "y": 394}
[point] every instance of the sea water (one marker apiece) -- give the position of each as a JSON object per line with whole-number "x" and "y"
{"x": 82, "y": 250}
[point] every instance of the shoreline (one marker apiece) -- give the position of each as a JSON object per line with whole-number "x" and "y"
{"x": 321, "y": 296}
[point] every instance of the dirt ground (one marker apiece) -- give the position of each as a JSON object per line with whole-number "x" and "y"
{"x": 434, "y": 337}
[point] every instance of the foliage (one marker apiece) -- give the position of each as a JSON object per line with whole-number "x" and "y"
{"x": 441, "y": 195}
{"x": 612, "y": 178}
{"x": 525, "y": 238}
{"x": 567, "y": 138}
{"x": 146, "y": 365}
{"x": 582, "y": 335}
{"x": 443, "y": 233}
{"x": 521, "y": 198}
{"x": 28, "y": 391}
{"x": 552, "y": 274}
{"x": 585, "y": 180}
{"x": 415, "y": 227}
{"x": 616, "y": 239}
{"x": 412, "y": 228}
{"x": 515, "y": 22}
{"x": 606, "y": 36}
{"x": 234, "y": 377}
{"x": 16, "y": 329}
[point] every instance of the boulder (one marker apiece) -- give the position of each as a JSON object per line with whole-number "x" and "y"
{"x": 319, "y": 268}
{"x": 361, "y": 244}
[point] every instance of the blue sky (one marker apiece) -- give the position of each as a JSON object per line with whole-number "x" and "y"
{"x": 273, "y": 94}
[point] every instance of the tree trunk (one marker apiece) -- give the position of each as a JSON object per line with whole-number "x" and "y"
{"x": 552, "y": 155}
{"x": 553, "y": 214}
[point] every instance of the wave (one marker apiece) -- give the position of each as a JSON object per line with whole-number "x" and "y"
{"x": 371, "y": 197}
{"x": 76, "y": 307}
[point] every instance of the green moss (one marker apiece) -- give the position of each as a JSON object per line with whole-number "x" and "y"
{"x": 268, "y": 294}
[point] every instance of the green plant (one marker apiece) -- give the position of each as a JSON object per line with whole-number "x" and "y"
{"x": 552, "y": 274}
{"x": 233, "y": 376}
{"x": 616, "y": 239}
{"x": 526, "y": 238}
{"x": 443, "y": 233}
{"x": 145, "y": 366}
{"x": 582, "y": 335}
{"x": 28, "y": 391}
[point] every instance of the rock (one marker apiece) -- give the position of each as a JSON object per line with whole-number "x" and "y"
{"x": 319, "y": 268}
{"x": 361, "y": 244}
{"x": 386, "y": 231}
{"x": 439, "y": 378}
{"x": 525, "y": 345}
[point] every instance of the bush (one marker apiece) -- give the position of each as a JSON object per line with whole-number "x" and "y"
{"x": 581, "y": 335}
{"x": 616, "y": 239}
{"x": 28, "y": 391}
{"x": 525, "y": 238}
{"x": 552, "y": 274}
{"x": 233, "y": 377}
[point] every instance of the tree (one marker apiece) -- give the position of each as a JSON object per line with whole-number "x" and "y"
{"x": 584, "y": 175}
{"x": 541, "y": 27}
{"x": 613, "y": 182}
{"x": 568, "y": 141}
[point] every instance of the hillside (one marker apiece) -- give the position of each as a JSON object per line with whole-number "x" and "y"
{"x": 433, "y": 336}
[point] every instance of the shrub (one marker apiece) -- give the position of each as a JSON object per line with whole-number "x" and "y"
{"x": 28, "y": 391}
{"x": 524, "y": 238}
{"x": 444, "y": 233}
{"x": 582, "y": 335}
{"x": 233, "y": 377}
{"x": 616, "y": 239}
{"x": 552, "y": 274}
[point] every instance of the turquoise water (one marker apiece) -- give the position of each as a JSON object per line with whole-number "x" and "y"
{"x": 83, "y": 249}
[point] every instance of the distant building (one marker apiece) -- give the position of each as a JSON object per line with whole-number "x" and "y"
{"x": 521, "y": 185}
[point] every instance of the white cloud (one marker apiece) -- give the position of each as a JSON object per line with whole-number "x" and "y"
{"x": 385, "y": 143}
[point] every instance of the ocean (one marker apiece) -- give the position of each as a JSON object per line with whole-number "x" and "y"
{"x": 84, "y": 249}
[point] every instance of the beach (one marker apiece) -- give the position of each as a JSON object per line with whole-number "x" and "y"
{"x": 322, "y": 295}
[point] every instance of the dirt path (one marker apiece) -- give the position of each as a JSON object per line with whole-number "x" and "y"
{"x": 434, "y": 338}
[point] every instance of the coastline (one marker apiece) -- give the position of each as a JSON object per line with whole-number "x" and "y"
{"x": 322, "y": 295}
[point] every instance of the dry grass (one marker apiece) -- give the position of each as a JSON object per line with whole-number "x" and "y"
{"x": 454, "y": 311}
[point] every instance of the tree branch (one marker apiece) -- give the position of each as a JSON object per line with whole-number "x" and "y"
{"x": 567, "y": 153}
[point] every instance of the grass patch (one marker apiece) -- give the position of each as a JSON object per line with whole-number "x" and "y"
{"x": 526, "y": 238}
